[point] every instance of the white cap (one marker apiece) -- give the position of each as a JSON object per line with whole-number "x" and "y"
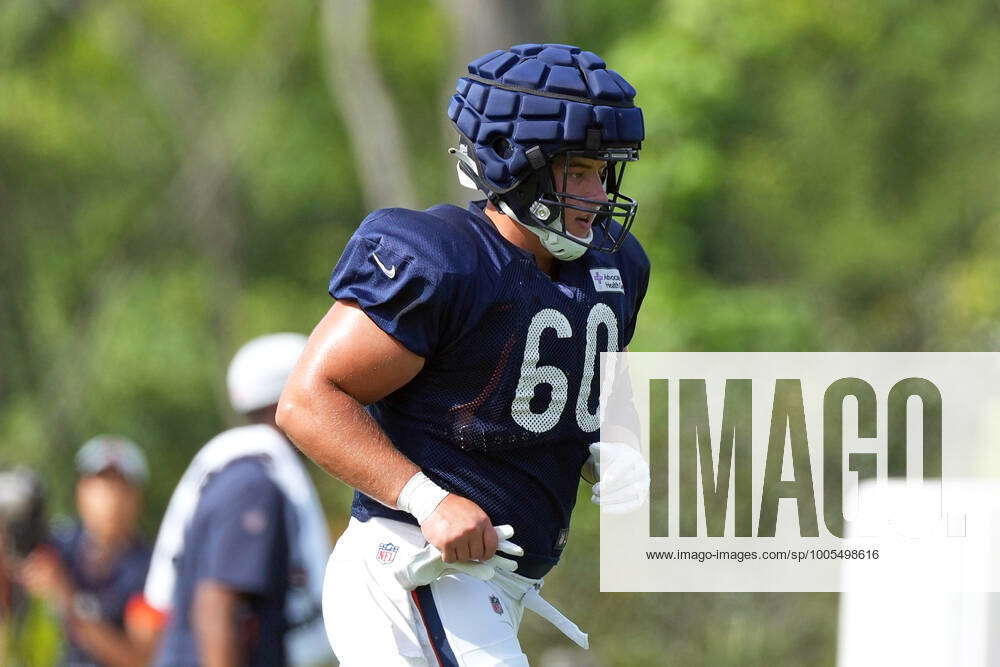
{"x": 113, "y": 451}
{"x": 258, "y": 372}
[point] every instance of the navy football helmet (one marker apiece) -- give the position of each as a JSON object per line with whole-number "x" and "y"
{"x": 519, "y": 110}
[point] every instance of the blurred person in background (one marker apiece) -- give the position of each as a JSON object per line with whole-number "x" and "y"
{"x": 93, "y": 569}
{"x": 28, "y": 634}
{"x": 238, "y": 564}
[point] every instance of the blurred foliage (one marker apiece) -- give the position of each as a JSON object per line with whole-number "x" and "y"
{"x": 174, "y": 179}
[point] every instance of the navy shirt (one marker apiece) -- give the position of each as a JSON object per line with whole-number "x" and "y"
{"x": 238, "y": 537}
{"x": 111, "y": 587}
{"x": 507, "y": 401}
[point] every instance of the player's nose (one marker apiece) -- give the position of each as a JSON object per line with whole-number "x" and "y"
{"x": 594, "y": 188}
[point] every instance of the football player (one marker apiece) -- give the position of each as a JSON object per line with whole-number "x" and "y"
{"x": 454, "y": 381}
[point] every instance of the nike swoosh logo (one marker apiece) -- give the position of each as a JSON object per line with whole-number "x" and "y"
{"x": 390, "y": 273}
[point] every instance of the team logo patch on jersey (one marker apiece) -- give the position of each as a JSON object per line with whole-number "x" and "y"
{"x": 495, "y": 602}
{"x": 607, "y": 280}
{"x": 386, "y": 552}
{"x": 254, "y": 522}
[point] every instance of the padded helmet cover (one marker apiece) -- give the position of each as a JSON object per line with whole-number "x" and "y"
{"x": 544, "y": 95}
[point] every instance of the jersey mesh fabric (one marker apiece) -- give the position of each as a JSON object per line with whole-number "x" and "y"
{"x": 499, "y": 413}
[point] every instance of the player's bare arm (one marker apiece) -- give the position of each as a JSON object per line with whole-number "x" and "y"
{"x": 348, "y": 363}
{"x": 214, "y": 616}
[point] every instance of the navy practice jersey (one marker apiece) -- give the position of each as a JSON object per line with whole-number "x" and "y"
{"x": 507, "y": 401}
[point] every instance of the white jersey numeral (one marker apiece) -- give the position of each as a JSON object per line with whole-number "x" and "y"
{"x": 600, "y": 314}
{"x": 533, "y": 375}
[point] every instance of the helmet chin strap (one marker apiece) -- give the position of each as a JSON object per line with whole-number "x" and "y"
{"x": 558, "y": 246}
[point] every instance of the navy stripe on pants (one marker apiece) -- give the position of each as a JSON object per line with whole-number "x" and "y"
{"x": 435, "y": 630}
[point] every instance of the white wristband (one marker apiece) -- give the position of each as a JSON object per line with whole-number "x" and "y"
{"x": 420, "y": 497}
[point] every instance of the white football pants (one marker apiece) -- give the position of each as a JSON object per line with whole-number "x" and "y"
{"x": 455, "y": 620}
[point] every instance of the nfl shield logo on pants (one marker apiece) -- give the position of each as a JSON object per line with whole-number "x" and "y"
{"x": 386, "y": 552}
{"x": 495, "y": 601}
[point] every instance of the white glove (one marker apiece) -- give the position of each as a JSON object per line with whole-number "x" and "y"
{"x": 622, "y": 477}
{"x": 427, "y": 565}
